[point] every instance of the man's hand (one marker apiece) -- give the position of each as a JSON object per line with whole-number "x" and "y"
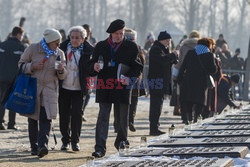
{"x": 97, "y": 67}
{"x": 124, "y": 80}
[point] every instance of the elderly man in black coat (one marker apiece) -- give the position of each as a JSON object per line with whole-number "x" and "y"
{"x": 111, "y": 87}
{"x": 159, "y": 78}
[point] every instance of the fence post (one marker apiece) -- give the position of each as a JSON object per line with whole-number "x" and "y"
{"x": 247, "y": 77}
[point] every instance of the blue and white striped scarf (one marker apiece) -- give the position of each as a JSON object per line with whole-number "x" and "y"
{"x": 201, "y": 49}
{"x": 80, "y": 48}
{"x": 47, "y": 50}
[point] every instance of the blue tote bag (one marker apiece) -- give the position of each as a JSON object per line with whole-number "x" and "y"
{"x": 23, "y": 96}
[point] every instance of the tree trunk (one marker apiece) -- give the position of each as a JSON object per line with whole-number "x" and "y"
{"x": 225, "y": 25}
{"x": 72, "y": 12}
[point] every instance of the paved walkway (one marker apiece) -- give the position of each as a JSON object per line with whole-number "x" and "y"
{"x": 15, "y": 151}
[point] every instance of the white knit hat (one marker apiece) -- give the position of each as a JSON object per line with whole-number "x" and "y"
{"x": 51, "y": 35}
{"x": 130, "y": 34}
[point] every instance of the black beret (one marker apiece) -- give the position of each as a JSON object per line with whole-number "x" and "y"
{"x": 164, "y": 35}
{"x": 115, "y": 25}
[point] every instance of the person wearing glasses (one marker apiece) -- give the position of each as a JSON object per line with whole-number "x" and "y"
{"x": 38, "y": 60}
{"x": 73, "y": 88}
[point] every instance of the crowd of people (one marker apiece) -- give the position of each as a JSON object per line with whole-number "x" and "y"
{"x": 114, "y": 68}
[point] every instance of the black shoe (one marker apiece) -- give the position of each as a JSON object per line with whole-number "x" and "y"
{"x": 2, "y": 127}
{"x": 33, "y": 151}
{"x": 75, "y": 147}
{"x": 132, "y": 128}
{"x": 65, "y": 147}
{"x": 42, "y": 152}
{"x": 13, "y": 127}
{"x": 156, "y": 133}
{"x": 98, "y": 154}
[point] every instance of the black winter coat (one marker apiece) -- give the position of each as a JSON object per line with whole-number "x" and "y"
{"x": 192, "y": 77}
{"x": 225, "y": 96}
{"x": 10, "y": 53}
{"x": 108, "y": 90}
{"x": 159, "y": 74}
{"x": 83, "y": 63}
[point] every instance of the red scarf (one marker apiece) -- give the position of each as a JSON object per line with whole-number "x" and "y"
{"x": 115, "y": 46}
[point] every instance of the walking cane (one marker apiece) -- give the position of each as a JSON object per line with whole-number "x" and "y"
{"x": 52, "y": 128}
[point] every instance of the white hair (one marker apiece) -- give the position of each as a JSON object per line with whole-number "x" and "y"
{"x": 130, "y": 34}
{"x": 78, "y": 29}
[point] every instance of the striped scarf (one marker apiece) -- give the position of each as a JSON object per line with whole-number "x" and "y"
{"x": 73, "y": 50}
{"x": 47, "y": 50}
{"x": 201, "y": 49}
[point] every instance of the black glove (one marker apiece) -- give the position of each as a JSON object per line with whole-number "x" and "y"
{"x": 173, "y": 58}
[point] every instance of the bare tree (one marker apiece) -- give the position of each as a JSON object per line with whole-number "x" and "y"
{"x": 242, "y": 7}
{"x": 225, "y": 18}
{"x": 7, "y": 18}
{"x": 212, "y": 25}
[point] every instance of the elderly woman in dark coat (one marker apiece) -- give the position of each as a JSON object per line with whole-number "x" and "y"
{"x": 197, "y": 64}
{"x": 74, "y": 87}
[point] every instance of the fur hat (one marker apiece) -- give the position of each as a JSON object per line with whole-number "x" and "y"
{"x": 115, "y": 25}
{"x": 51, "y": 35}
{"x": 194, "y": 34}
{"x": 235, "y": 78}
{"x": 164, "y": 35}
{"x": 130, "y": 34}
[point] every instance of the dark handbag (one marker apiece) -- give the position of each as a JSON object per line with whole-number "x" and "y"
{"x": 23, "y": 96}
{"x": 173, "y": 99}
{"x": 209, "y": 79}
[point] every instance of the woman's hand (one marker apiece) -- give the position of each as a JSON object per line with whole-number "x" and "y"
{"x": 37, "y": 66}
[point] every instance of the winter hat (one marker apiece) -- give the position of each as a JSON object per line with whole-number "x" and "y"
{"x": 51, "y": 35}
{"x": 130, "y": 34}
{"x": 235, "y": 78}
{"x": 194, "y": 34}
{"x": 164, "y": 35}
{"x": 150, "y": 36}
{"x": 237, "y": 50}
{"x": 115, "y": 25}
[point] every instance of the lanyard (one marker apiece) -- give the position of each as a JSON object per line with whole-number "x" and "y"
{"x": 75, "y": 59}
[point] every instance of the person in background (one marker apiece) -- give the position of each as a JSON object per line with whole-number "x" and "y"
{"x": 39, "y": 62}
{"x": 185, "y": 46}
{"x": 63, "y": 34}
{"x": 192, "y": 77}
{"x": 182, "y": 39}
{"x": 160, "y": 63}
{"x": 74, "y": 87}
{"x": 92, "y": 41}
{"x": 10, "y": 53}
{"x": 25, "y": 40}
{"x": 149, "y": 41}
{"x": 90, "y": 38}
{"x": 225, "y": 95}
{"x": 237, "y": 62}
{"x": 138, "y": 87}
{"x": 220, "y": 41}
{"x": 211, "y": 106}
{"x": 115, "y": 51}
{"x": 227, "y": 52}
